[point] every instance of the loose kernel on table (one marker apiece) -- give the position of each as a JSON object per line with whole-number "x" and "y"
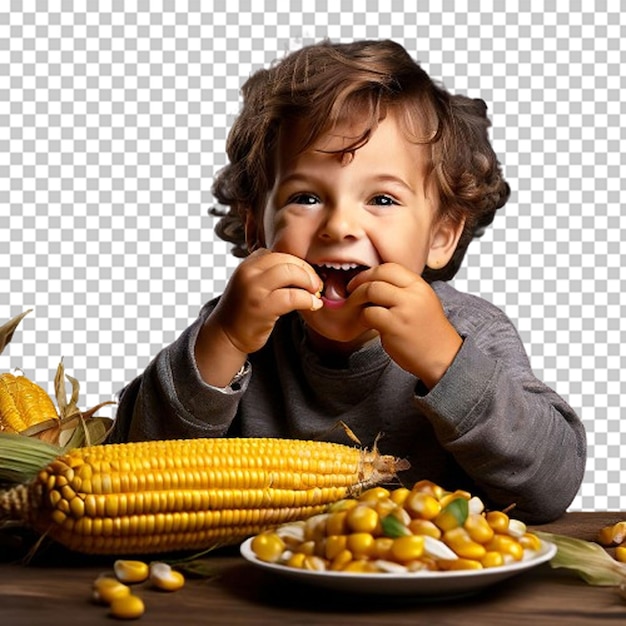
{"x": 127, "y": 607}
{"x": 128, "y": 571}
{"x": 106, "y": 589}
{"x": 163, "y": 577}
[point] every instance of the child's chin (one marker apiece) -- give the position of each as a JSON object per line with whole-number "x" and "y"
{"x": 345, "y": 337}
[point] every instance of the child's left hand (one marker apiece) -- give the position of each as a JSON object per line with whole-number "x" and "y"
{"x": 409, "y": 317}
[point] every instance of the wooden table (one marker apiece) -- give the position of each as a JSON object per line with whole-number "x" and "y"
{"x": 55, "y": 589}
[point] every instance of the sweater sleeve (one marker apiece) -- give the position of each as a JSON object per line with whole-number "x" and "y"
{"x": 169, "y": 400}
{"x": 515, "y": 437}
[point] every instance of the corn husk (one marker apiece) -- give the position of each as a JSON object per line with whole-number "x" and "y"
{"x": 588, "y": 559}
{"x": 7, "y": 329}
{"x": 72, "y": 427}
{"x": 22, "y": 457}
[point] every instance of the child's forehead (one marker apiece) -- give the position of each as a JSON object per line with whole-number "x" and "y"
{"x": 346, "y": 135}
{"x": 385, "y": 155}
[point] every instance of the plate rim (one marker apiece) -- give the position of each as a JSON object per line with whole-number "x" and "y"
{"x": 545, "y": 553}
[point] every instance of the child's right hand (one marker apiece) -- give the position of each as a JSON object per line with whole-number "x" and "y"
{"x": 265, "y": 286}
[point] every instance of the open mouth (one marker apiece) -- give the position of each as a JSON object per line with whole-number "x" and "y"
{"x": 336, "y": 277}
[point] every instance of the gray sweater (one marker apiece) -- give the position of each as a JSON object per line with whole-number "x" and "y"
{"x": 489, "y": 425}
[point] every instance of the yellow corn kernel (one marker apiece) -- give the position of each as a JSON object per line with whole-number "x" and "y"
{"x": 399, "y": 495}
{"x": 333, "y": 545}
{"x": 492, "y": 559}
{"x": 374, "y": 494}
{"x": 460, "y": 541}
{"x": 163, "y": 577}
{"x": 424, "y": 527}
{"x": 360, "y": 544}
{"x": 620, "y": 553}
{"x": 341, "y": 560}
{"x": 506, "y": 545}
{"x": 529, "y": 541}
{"x": 478, "y": 528}
{"x": 385, "y": 506}
{"x": 427, "y": 486}
{"x": 382, "y": 547}
{"x": 459, "y": 493}
{"x": 498, "y": 520}
{"x": 407, "y": 548}
{"x": 422, "y": 505}
{"x": 268, "y": 546}
{"x": 107, "y": 588}
{"x": 127, "y": 607}
{"x": 306, "y": 547}
{"x": 358, "y": 567}
{"x": 612, "y": 535}
{"x": 127, "y": 571}
{"x": 363, "y": 519}
{"x": 296, "y": 560}
{"x": 336, "y": 523}
{"x": 174, "y": 495}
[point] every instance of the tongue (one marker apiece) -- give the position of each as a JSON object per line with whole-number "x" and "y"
{"x": 335, "y": 285}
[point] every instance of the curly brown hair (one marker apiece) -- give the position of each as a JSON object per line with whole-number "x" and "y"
{"x": 326, "y": 83}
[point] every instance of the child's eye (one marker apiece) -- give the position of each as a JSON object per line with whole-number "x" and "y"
{"x": 304, "y": 198}
{"x": 383, "y": 200}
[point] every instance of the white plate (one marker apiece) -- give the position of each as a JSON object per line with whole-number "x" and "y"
{"x": 418, "y": 583}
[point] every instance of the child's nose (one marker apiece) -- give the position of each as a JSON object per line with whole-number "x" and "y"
{"x": 341, "y": 222}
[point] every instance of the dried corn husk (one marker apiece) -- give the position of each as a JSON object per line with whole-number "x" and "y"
{"x": 588, "y": 559}
{"x": 7, "y": 330}
{"x": 73, "y": 427}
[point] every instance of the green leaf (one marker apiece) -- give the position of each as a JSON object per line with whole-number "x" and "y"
{"x": 393, "y": 527}
{"x": 458, "y": 508}
{"x": 196, "y": 569}
{"x": 588, "y": 559}
{"x": 7, "y": 330}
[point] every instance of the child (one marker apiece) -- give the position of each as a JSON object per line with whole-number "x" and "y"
{"x": 356, "y": 185}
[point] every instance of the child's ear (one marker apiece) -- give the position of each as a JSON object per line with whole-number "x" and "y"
{"x": 443, "y": 241}
{"x": 254, "y": 236}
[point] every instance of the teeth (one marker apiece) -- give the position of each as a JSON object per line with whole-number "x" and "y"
{"x": 340, "y": 266}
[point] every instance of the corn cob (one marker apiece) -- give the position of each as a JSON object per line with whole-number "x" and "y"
{"x": 23, "y": 404}
{"x": 163, "y": 496}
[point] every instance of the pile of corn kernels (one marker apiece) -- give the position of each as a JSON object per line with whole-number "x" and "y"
{"x": 400, "y": 530}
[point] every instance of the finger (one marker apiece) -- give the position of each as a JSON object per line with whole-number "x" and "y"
{"x": 291, "y": 274}
{"x": 376, "y": 293}
{"x": 264, "y": 259}
{"x": 283, "y": 301}
{"x": 378, "y": 318}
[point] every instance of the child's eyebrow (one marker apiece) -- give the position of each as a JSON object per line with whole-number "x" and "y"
{"x": 394, "y": 180}
{"x": 299, "y": 177}
{"x": 311, "y": 178}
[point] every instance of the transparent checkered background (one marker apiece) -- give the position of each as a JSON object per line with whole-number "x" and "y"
{"x": 113, "y": 119}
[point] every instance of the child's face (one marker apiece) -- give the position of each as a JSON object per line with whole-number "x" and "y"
{"x": 345, "y": 215}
